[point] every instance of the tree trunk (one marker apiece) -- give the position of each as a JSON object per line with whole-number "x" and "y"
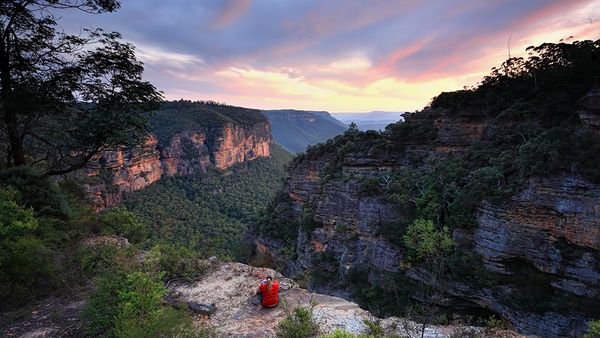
{"x": 16, "y": 153}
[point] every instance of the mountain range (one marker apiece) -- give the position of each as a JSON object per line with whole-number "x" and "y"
{"x": 297, "y": 129}
{"x": 375, "y": 120}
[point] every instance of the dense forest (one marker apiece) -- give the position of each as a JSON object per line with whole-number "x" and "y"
{"x": 210, "y": 211}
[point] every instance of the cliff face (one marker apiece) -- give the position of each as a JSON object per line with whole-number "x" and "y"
{"x": 124, "y": 170}
{"x": 544, "y": 240}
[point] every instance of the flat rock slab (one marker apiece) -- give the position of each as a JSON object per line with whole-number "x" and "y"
{"x": 231, "y": 287}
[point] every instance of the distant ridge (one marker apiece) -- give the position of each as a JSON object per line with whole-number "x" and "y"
{"x": 375, "y": 120}
{"x": 297, "y": 129}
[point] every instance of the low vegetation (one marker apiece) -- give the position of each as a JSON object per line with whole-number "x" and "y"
{"x": 299, "y": 322}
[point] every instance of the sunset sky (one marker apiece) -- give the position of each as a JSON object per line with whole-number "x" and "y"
{"x": 340, "y": 56}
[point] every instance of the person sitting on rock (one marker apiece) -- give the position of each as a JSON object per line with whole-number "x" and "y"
{"x": 268, "y": 292}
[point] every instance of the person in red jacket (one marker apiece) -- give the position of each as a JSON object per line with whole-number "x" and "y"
{"x": 268, "y": 292}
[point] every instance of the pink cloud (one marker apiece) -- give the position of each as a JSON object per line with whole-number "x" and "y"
{"x": 229, "y": 12}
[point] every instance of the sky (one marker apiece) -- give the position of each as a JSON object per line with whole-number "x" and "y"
{"x": 339, "y": 56}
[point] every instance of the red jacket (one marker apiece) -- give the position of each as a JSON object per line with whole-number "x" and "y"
{"x": 271, "y": 298}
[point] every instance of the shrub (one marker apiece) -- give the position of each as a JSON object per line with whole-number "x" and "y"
{"x": 424, "y": 241}
{"x": 124, "y": 223}
{"x": 370, "y": 187}
{"x": 25, "y": 270}
{"x": 298, "y": 323}
{"x": 100, "y": 259}
{"x": 101, "y": 307}
{"x": 375, "y": 328}
{"x": 339, "y": 333}
{"x": 593, "y": 329}
{"x": 132, "y": 306}
{"x": 37, "y": 191}
{"x": 14, "y": 219}
{"x": 174, "y": 261}
{"x": 494, "y": 322}
{"x": 307, "y": 220}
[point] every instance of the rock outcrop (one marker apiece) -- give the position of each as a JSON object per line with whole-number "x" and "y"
{"x": 117, "y": 172}
{"x": 589, "y": 111}
{"x": 231, "y": 287}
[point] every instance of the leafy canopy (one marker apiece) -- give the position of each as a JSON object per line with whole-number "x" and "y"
{"x": 65, "y": 98}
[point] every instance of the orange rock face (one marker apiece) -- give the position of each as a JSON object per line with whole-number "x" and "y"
{"x": 239, "y": 144}
{"x": 117, "y": 172}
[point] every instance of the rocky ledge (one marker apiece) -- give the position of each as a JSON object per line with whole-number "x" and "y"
{"x": 231, "y": 286}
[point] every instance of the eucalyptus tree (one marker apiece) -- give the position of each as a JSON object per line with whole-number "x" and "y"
{"x": 66, "y": 97}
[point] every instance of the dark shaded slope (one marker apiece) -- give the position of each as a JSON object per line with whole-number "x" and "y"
{"x": 297, "y": 129}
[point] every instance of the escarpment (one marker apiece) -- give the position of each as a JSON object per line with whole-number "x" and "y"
{"x": 530, "y": 232}
{"x": 186, "y": 138}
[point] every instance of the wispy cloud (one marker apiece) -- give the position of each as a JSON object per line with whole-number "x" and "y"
{"x": 335, "y": 55}
{"x": 158, "y": 56}
{"x": 229, "y": 11}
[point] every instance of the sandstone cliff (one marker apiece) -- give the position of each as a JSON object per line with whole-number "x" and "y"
{"x": 186, "y": 150}
{"x": 541, "y": 243}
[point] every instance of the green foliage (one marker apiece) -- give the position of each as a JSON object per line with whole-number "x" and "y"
{"x": 424, "y": 241}
{"x": 494, "y": 322}
{"x": 174, "y": 262}
{"x": 298, "y": 323}
{"x": 307, "y": 219}
{"x": 36, "y": 191}
{"x": 131, "y": 305}
{"x": 339, "y": 333}
{"x": 26, "y": 269}
{"x": 98, "y": 259}
{"x": 593, "y": 329}
{"x": 370, "y": 187}
{"x": 102, "y": 306}
{"x": 211, "y": 211}
{"x": 375, "y": 328}
{"x": 325, "y": 268}
{"x": 410, "y": 131}
{"x": 124, "y": 223}
{"x": 65, "y": 98}
{"x": 546, "y": 84}
{"x": 14, "y": 220}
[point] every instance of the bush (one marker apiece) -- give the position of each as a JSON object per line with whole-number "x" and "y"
{"x": 307, "y": 220}
{"x": 14, "y": 219}
{"x": 375, "y": 328}
{"x": 124, "y": 223}
{"x": 298, "y": 323}
{"x": 370, "y": 187}
{"x": 593, "y": 329}
{"x": 25, "y": 270}
{"x": 101, "y": 307}
{"x": 132, "y": 306}
{"x": 174, "y": 261}
{"x": 339, "y": 333}
{"x": 36, "y": 191}
{"x": 101, "y": 259}
{"x": 424, "y": 241}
